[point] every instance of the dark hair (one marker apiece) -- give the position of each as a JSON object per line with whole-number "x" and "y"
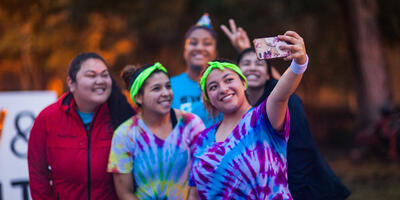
{"x": 127, "y": 75}
{"x": 243, "y": 53}
{"x": 251, "y": 50}
{"x": 130, "y": 73}
{"x": 76, "y": 63}
{"x": 195, "y": 27}
{"x": 119, "y": 108}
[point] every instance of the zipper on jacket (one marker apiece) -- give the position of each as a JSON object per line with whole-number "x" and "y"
{"x": 89, "y": 135}
{"x": 88, "y": 146}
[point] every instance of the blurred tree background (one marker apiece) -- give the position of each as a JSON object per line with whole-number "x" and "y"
{"x": 354, "y": 49}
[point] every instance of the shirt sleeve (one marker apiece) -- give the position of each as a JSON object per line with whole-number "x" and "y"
{"x": 39, "y": 172}
{"x": 284, "y": 132}
{"x": 122, "y": 147}
{"x": 196, "y": 126}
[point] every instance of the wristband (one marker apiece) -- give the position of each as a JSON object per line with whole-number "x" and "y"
{"x": 298, "y": 69}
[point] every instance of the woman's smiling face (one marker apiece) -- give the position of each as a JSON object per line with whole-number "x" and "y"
{"x": 93, "y": 83}
{"x": 255, "y": 70}
{"x": 200, "y": 48}
{"x": 156, "y": 94}
{"x": 225, "y": 90}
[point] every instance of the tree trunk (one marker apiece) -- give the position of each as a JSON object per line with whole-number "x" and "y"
{"x": 373, "y": 93}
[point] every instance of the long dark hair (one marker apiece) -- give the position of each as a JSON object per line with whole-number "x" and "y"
{"x": 119, "y": 108}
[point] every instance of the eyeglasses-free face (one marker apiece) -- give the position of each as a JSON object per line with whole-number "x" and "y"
{"x": 157, "y": 94}
{"x": 225, "y": 90}
{"x": 200, "y": 48}
{"x": 92, "y": 86}
{"x": 254, "y": 70}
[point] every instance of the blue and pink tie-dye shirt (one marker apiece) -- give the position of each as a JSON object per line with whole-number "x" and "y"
{"x": 249, "y": 164}
{"x": 160, "y": 167}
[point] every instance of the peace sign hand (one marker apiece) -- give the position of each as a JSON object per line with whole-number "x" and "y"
{"x": 237, "y": 36}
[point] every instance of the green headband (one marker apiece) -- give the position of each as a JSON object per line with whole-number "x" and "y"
{"x": 142, "y": 77}
{"x": 221, "y": 66}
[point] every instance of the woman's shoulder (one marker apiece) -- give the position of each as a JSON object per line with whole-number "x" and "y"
{"x": 128, "y": 125}
{"x": 187, "y": 117}
{"x": 54, "y": 109}
{"x": 205, "y": 138}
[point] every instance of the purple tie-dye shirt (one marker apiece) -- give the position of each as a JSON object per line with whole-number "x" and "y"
{"x": 249, "y": 164}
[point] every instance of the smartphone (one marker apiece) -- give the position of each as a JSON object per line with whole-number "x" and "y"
{"x": 268, "y": 48}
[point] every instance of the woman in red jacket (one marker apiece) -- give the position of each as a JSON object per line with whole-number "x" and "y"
{"x": 70, "y": 140}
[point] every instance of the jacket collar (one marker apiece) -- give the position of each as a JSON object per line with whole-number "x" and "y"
{"x": 67, "y": 102}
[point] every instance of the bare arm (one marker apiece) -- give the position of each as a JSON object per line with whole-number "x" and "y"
{"x": 124, "y": 186}
{"x": 287, "y": 84}
{"x": 193, "y": 194}
{"x": 237, "y": 36}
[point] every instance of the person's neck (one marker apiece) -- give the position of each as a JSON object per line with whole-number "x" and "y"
{"x": 234, "y": 118}
{"x": 85, "y": 107}
{"x": 152, "y": 119}
{"x": 254, "y": 94}
{"x": 159, "y": 124}
{"x": 230, "y": 121}
{"x": 194, "y": 75}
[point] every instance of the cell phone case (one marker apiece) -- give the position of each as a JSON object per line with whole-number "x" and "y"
{"x": 268, "y": 48}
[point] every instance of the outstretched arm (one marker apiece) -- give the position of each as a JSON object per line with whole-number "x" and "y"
{"x": 237, "y": 36}
{"x": 287, "y": 84}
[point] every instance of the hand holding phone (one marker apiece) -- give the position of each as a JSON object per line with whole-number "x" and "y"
{"x": 269, "y": 48}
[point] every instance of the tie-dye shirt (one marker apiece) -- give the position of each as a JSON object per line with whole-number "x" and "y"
{"x": 249, "y": 164}
{"x": 160, "y": 167}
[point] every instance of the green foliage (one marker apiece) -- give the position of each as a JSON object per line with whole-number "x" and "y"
{"x": 143, "y": 31}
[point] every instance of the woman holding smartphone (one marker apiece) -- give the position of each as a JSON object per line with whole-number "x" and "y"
{"x": 309, "y": 175}
{"x": 150, "y": 153}
{"x": 244, "y": 155}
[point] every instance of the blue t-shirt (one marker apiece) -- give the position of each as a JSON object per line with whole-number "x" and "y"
{"x": 187, "y": 97}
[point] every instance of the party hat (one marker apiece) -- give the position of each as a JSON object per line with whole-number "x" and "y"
{"x": 204, "y": 21}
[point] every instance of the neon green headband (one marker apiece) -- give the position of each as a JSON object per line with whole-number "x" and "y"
{"x": 142, "y": 77}
{"x": 221, "y": 66}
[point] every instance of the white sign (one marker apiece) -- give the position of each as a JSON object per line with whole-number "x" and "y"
{"x": 22, "y": 108}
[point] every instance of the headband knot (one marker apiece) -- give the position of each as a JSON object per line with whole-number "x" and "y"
{"x": 221, "y": 66}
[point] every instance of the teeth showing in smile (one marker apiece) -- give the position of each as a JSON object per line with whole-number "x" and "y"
{"x": 165, "y": 102}
{"x": 198, "y": 56}
{"x": 252, "y": 77}
{"x": 226, "y": 98}
{"x": 99, "y": 90}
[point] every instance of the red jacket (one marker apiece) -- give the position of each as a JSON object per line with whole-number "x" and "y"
{"x": 66, "y": 161}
